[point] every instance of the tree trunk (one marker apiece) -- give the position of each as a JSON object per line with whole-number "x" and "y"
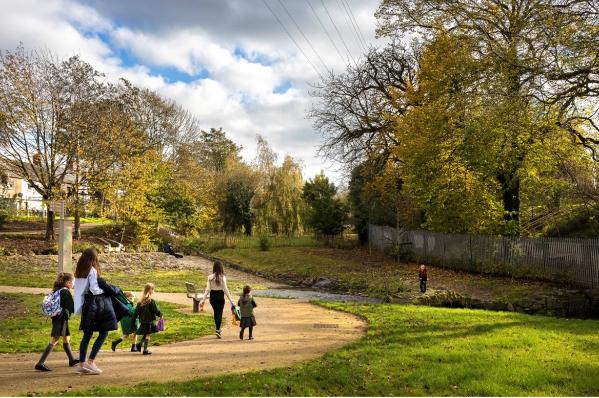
{"x": 50, "y": 225}
{"x": 77, "y": 222}
{"x": 510, "y": 187}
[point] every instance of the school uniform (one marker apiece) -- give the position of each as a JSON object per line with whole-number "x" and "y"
{"x": 129, "y": 323}
{"x": 147, "y": 315}
{"x": 60, "y": 322}
{"x": 246, "y": 305}
{"x": 60, "y": 328}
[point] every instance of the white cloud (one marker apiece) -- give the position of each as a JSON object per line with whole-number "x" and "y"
{"x": 238, "y": 94}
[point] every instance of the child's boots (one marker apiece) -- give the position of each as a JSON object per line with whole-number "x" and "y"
{"x": 145, "y": 344}
{"x": 115, "y": 343}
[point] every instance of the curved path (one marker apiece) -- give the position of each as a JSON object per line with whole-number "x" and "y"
{"x": 288, "y": 332}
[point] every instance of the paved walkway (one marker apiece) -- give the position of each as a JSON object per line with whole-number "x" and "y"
{"x": 288, "y": 332}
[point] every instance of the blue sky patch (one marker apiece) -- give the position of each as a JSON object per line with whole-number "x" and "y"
{"x": 254, "y": 57}
{"x": 169, "y": 73}
{"x": 283, "y": 87}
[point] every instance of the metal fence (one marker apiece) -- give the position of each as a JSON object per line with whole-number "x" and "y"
{"x": 570, "y": 260}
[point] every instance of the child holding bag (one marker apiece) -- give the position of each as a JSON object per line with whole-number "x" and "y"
{"x": 129, "y": 326}
{"x": 147, "y": 310}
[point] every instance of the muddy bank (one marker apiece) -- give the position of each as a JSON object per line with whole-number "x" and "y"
{"x": 569, "y": 303}
{"x": 547, "y": 300}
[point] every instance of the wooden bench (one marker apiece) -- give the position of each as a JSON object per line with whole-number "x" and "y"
{"x": 194, "y": 294}
{"x": 108, "y": 246}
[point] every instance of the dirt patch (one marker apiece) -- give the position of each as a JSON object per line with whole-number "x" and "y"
{"x": 23, "y": 226}
{"x": 9, "y": 307}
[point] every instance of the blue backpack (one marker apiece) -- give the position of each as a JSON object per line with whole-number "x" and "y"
{"x": 51, "y": 304}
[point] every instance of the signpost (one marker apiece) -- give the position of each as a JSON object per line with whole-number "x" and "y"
{"x": 65, "y": 237}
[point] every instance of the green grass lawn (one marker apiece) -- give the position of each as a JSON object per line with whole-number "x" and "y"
{"x": 416, "y": 350}
{"x": 165, "y": 280}
{"x": 29, "y": 331}
{"x": 353, "y": 275}
{"x": 215, "y": 242}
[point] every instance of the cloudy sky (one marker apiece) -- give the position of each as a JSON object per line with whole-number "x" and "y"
{"x": 230, "y": 62}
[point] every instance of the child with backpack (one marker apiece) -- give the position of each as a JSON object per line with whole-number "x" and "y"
{"x": 129, "y": 326}
{"x": 246, "y": 305}
{"x": 59, "y": 306}
{"x": 147, "y": 310}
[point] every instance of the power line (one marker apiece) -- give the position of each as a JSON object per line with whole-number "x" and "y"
{"x": 349, "y": 23}
{"x": 355, "y": 21}
{"x": 325, "y": 30}
{"x": 293, "y": 40}
{"x": 303, "y": 35}
{"x": 338, "y": 33}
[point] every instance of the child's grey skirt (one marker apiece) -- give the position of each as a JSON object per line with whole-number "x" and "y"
{"x": 60, "y": 327}
{"x": 247, "y": 322}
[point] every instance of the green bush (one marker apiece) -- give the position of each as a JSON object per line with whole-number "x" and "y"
{"x": 264, "y": 243}
{"x": 79, "y": 247}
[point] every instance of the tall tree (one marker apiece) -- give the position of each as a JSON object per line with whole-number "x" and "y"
{"x": 288, "y": 183}
{"x": 263, "y": 202}
{"x": 326, "y": 213}
{"x": 353, "y": 108}
{"x": 235, "y": 190}
{"x": 35, "y": 103}
{"x": 214, "y": 149}
{"x": 539, "y": 60}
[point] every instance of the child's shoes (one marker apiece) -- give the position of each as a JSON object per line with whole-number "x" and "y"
{"x": 146, "y": 352}
{"x": 42, "y": 367}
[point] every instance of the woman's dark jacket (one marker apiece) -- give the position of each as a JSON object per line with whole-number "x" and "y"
{"x": 102, "y": 312}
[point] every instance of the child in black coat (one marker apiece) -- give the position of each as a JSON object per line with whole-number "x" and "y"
{"x": 60, "y": 322}
{"x": 147, "y": 310}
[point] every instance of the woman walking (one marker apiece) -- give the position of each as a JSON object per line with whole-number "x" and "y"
{"x": 217, "y": 286}
{"x": 95, "y": 307}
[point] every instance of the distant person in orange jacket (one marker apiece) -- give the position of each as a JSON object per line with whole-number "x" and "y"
{"x": 422, "y": 275}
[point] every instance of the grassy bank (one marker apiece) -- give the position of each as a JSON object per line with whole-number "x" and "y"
{"x": 26, "y": 330}
{"x": 359, "y": 272}
{"x": 165, "y": 280}
{"x": 414, "y": 350}
{"x": 296, "y": 263}
{"x": 212, "y": 243}
{"x": 23, "y": 271}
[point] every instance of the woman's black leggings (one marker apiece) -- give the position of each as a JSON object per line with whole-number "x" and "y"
{"x": 217, "y": 301}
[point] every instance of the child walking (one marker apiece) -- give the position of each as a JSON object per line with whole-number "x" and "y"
{"x": 129, "y": 326}
{"x": 60, "y": 322}
{"x": 422, "y": 275}
{"x": 147, "y": 310}
{"x": 246, "y": 305}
